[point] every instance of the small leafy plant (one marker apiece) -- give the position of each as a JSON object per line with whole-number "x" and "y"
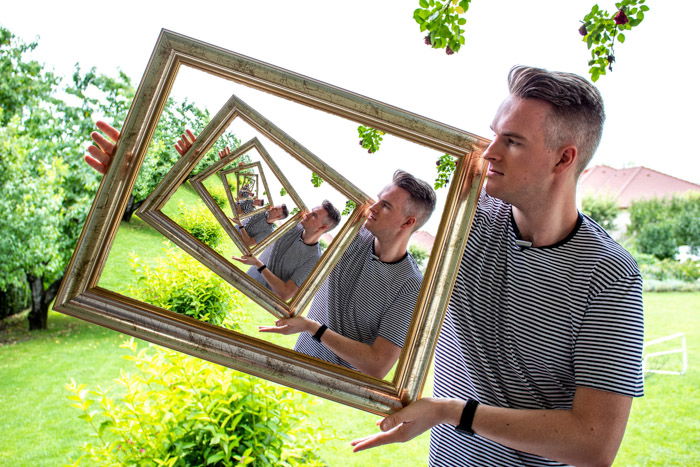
{"x": 179, "y": 283}
{"x": 177, "y": 410}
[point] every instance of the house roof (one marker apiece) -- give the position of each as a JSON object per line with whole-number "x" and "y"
{"x": 423, "y": 239}
{"x": 631, "y": 184}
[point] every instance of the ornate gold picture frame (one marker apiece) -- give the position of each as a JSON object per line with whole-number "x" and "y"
{"x": 80, "y": 295}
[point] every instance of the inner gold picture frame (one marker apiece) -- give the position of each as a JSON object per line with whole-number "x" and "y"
{"x": 80, "y": 296}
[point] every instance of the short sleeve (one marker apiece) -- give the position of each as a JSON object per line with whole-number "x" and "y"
{"x": 302, "y": 272}
{"x": 397, "y": 318}
{"x": 608, "y": 347}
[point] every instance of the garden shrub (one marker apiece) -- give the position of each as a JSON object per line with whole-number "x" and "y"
{"x": 419, "y": 254}
{"x": 179, "y": 283}
{"x": 200, "y": 223}
{"x": 669, "y": 269}
{"x": 218, "y": 193}
{"x": 177, "y": 410}
{"x": 660, "y": 226}
{"x": 602, "y": 209}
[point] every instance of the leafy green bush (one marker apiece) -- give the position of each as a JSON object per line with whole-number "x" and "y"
{"x": 14, "y": 299}
{"x": 179, "y": 283}
{"x": 200, "y": 223}
{"x": 218, "y": 193}
{"x": 177, "y": 410}
{"x": 669, "y": 269}
{"x": 601, "y": 209}
{"x": 419, "y": 254}
{"x": 653, "y": 285}
{"x": 660, "y": 226}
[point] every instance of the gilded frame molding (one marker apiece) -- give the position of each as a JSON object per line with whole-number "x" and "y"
{"x": 80, "y": 295}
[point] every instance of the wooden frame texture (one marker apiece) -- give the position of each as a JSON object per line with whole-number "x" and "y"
{"x": 80, "y": 296}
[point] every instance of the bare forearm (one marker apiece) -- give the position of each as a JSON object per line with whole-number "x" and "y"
{"x": 588, "y": 434}
{"x": 247, "y": 239}
{"x": 555, "y": 434}
{"x": 284, "y": 290}
{"x": 375, "y": 360}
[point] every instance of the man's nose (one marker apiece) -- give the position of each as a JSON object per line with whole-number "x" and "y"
{"x": 491, "y": 152}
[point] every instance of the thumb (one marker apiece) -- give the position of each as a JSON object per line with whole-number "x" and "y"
{"x": 392, "y": 421}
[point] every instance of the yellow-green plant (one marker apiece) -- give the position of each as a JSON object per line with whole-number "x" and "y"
{"x": 177, "y": 410}
{"x": 200, "y": 223}
{"x": 179, "y": 283}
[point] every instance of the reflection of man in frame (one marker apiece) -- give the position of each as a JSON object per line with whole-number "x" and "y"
{"x": 360, "y": 316}
{"x": 540, "y": 353}
{"x": 286, "y": 264}
{"x": 362, "y": 312}
{"x": 257, "y": 227}
{"x": 246, "y": 205}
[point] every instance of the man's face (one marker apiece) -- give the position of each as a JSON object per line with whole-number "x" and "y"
{"x": 274, "y": 213}
{"x": 521, "y": 164}
{"x": 387, "y": 215}
{"x": 314, "y": 220}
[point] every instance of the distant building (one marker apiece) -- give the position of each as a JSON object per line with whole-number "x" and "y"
{"x": 423, "y": 240}
{"x": 631, "y": 184}
{"x": 628, "y": 185}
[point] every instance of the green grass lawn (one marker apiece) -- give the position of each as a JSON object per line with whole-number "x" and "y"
{"x": 39, "y": 427}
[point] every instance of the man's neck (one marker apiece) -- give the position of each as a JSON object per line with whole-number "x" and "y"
{"x": 547, "y": 223}
{"x": 390, "y": 250}
{"x": 311, "y": 238}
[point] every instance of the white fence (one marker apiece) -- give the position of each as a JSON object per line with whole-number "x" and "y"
{"x": 682, "y": 349}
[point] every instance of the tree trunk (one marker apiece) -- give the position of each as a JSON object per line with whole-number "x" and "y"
{"x": 41, "y": 299}
{"x": 131, "y": 207}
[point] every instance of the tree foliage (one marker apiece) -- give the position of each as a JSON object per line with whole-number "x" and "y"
{"x": 370, "y": 138}
{"x": 443, "y": 19}
{"x": 659, "y": 226}
{"x": 601, "y": 209}
{"x": 601, "y": 29}
{"x": 46, "y": 187}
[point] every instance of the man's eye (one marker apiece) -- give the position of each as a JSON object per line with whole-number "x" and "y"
{"x": 512, "y": 142}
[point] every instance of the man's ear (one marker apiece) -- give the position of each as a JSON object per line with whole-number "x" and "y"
{"x": 568, "y": 156}
{"x": 409, "y": 223}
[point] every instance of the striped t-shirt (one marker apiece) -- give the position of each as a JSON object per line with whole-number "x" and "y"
{"x": 257, "y": 226}
{"x": 245, "y": 205}
{"x": 289, "y": 258}
{"x": 363, "y": 298}
{"x": 526, "y": 326}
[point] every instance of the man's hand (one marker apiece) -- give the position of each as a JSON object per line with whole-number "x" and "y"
{"x": 250, "y": 260}
{"x": 224, "y": 152}
{"x": 294, "y": 325}
{"x": 101, "y": 152}
{"x": 185, "y": 142}
{"x": 410, "y": 422}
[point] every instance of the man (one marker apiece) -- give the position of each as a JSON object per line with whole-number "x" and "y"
{"x": 540, "y": 353}
{"x": 285, "y": 265}
{"x": 257, "y": 227}
{"x": 361, "y": 314}
{"x": 247, "y": 205}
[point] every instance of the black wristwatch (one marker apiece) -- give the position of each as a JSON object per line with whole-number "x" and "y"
{"x": 319, "y": 333}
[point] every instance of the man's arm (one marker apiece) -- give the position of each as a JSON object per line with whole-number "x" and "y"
{"x": 589, "y": 433}
{"x": 283, "y": 289}
{"x": 374, "y": 359}
{"x": 247, "y": 239}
